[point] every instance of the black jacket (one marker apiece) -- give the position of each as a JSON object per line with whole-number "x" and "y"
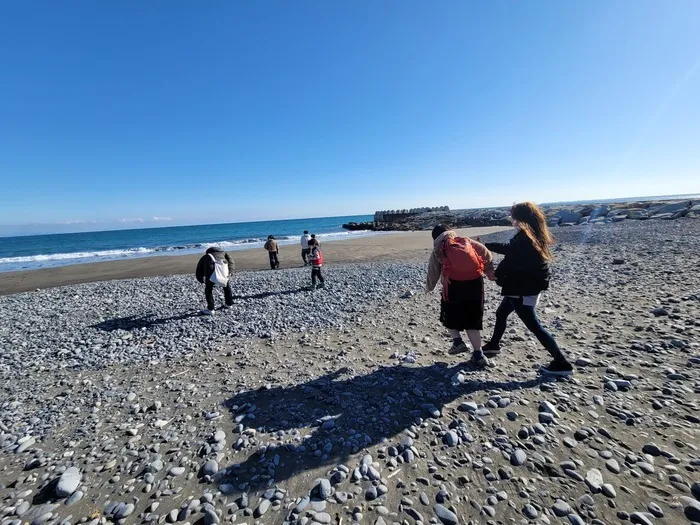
{"x": 205, "y": 266}
{"x": 522, "y": 271}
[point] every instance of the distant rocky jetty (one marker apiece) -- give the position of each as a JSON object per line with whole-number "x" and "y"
{"x": 669, "y": 210}
{"x": 557, "y": 215}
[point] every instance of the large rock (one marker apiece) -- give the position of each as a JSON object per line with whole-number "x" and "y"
{"x": 68, "y": 482}
{"x": 637, "y": 214}
{"x": 673, "y": 208}
{"x": 694, "y": 211}
{"x": 567, "y": 216}
{"x": 619, "y": 212}
{"x": 601, "y": 211}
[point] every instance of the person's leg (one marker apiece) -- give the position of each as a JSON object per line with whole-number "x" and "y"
{"x": 303, "y": 256}
{"x": 228, "y": 294}
{"x": 320, "y": 277}
{"x": 272, "y": 260}
{"x": 209, "y": 295}
{"x": 529, "y": 317}
{"x": 277, "y": 260}
{"x": 458, "y": 345}
{"x": 504, "y": 310}
{"x": 314, "y": 272}
{"x": 474, "y": 337}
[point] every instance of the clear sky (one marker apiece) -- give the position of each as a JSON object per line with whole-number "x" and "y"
{"x": 220, "y": 111}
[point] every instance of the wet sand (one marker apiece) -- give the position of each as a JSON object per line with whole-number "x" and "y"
{"x": 391, "y": 246}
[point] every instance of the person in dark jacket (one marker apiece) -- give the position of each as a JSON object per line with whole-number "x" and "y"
{"x": 205, "y": 268}
{"x": 523, "y": 275}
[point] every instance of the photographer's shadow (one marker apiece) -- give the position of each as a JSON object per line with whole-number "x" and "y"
{"x": 322, "y": 422}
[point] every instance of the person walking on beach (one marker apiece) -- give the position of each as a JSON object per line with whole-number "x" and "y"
{"x": 273, "y": 251}
{"x": 215, "y": 269}
{"x": 305, "y": 250}
{"x": 316, "y": 259}
{"x": 461, "y": 263}
{"x": 523, "y": 275}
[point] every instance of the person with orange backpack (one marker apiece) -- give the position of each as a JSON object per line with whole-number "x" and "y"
{"x": 461, "y": 263}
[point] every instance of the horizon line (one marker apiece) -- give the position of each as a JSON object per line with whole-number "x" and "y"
{"x": 156, "y": 226}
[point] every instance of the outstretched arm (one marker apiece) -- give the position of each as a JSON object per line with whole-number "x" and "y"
{"x": 499, "y": 247}
{"x": 485, "y": 255}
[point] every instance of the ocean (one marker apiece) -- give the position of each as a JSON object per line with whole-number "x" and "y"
{"x": 44, "y": 251}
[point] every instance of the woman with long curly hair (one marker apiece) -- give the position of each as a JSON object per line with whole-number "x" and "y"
{"x": 523, "y": 275}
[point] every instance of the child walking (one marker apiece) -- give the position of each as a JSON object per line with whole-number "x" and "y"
{"x": 316, "y": 258}
{"x": 523, "y": 275}
{"x": 461, "y": 263}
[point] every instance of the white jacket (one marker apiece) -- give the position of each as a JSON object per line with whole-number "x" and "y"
{"x": 305, "y": 241}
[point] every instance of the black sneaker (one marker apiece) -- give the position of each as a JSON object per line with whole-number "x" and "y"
{"x": 457, "y": 348}
{"x": 479, "y": 360}
{"x": 558, "y": 368}
{"x": 491, "y": 349}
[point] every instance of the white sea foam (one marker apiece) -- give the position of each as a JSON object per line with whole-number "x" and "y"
{"x": 76, "y": 255}
{"x": 61, "y": 259}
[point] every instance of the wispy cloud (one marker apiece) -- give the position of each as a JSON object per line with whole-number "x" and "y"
{"x": 162, "y": 219}
{"x": 77, "y": 221}
{"x": 136, "y": 219}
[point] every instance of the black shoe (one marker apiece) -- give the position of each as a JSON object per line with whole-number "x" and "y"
{"x": 491, "y": 349}
{"x": 558, "y": 368}
{"x": 479, "y": 360}
{"x": 457, "y": 348}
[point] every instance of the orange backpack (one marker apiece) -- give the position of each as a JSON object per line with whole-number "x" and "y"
{"x": 460, "y": 261}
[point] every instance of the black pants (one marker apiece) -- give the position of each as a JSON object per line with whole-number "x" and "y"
{"x": 274, "y": 260}
{"x": 209, "y": 294}
{"x": 305, "y": 255}
{"x": 528, "y": 316}
{"x": 316, "y": 273}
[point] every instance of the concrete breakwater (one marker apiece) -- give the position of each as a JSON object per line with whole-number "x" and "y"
{"x": 557, "y": 215}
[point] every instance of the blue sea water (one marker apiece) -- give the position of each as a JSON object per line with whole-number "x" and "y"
{"x": 42, "y": 251}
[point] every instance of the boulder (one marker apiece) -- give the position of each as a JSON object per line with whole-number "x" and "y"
{"x": 601, "y": 211}
{"x": 584, "y": 220}
{"x": 694, "y": 211}
{"x": 669, "y": 216}
{"x": 671, "y": 207}
{"x": 637, "y": 214}
{"x": 616, "y": 212}
{"x": 567, "y": 216}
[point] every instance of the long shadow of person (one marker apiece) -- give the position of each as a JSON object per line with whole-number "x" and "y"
{"x": 285, "y": 431}
{"x": 136, "y": 322}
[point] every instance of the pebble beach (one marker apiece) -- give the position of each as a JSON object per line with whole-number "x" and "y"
{"x": 121, "y": 405}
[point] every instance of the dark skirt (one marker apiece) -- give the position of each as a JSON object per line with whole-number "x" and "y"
{"x": 464, "y": 307}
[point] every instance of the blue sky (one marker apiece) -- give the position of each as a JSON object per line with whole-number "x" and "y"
{"x": 224, "y": 111}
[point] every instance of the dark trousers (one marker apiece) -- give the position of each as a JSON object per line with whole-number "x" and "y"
{"x": 305, "y": 252}
{"x": 209, "y": 294}
{"x": 274, "y": 260}
{"x": 316, "y": 273}
{"x": 528, "y": 316}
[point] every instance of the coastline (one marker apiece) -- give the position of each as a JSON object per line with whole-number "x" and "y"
{"x": 388, "y": 246}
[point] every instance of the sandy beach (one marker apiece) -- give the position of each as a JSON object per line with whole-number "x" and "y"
{"x": 390, "y": 246}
